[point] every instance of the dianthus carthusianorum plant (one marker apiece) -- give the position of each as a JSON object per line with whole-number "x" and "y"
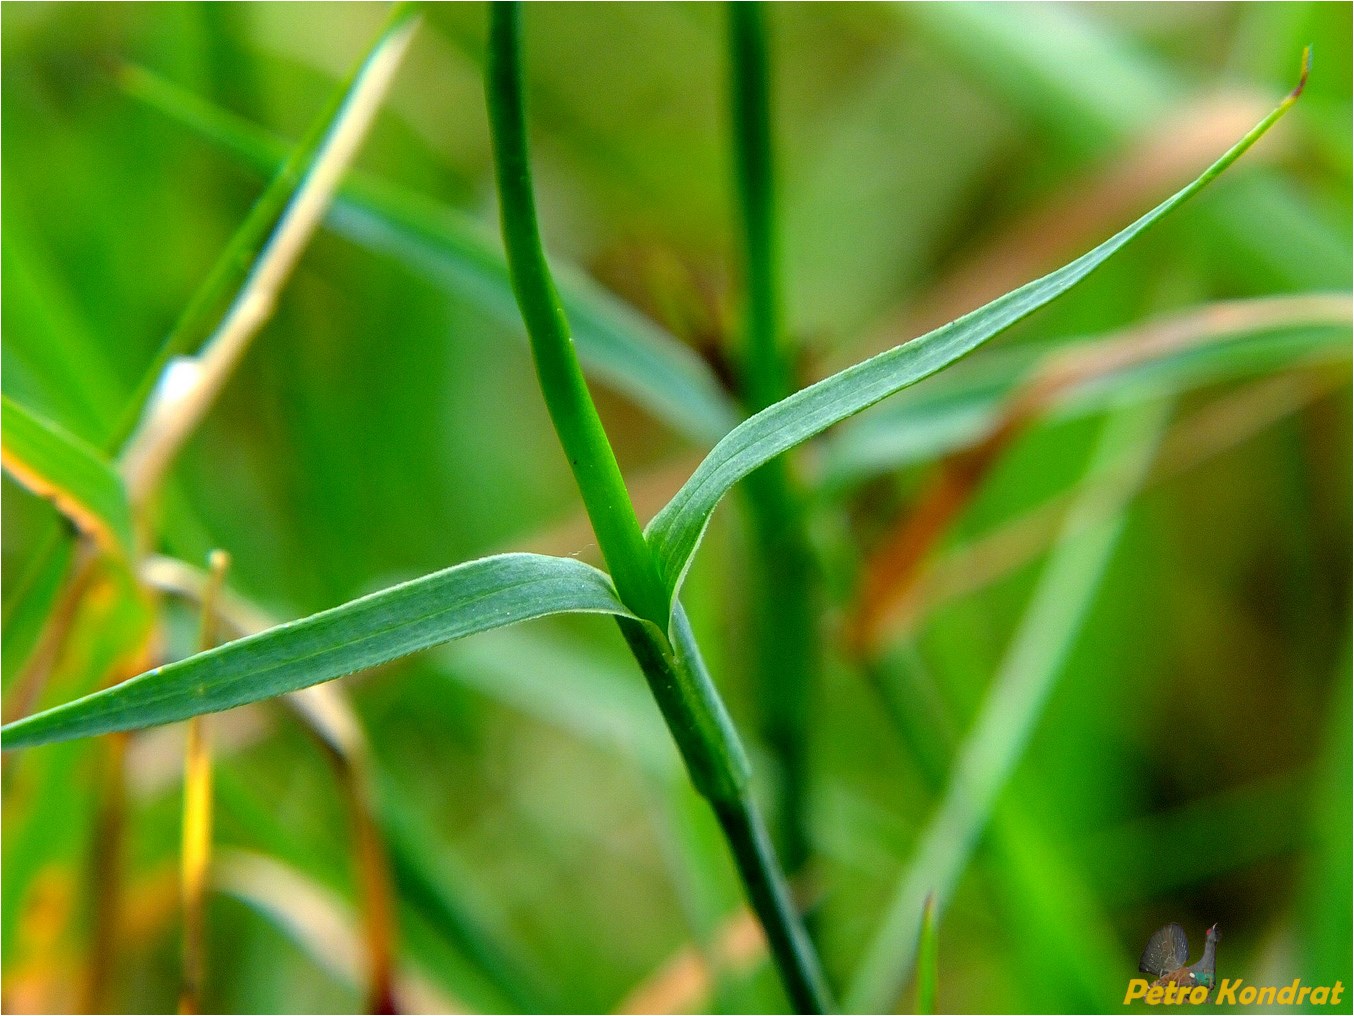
{"x": 110, "y": 495}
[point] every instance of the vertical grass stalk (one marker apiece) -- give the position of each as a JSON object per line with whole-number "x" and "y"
{"x": 197, "y": 811}
{"x": 785, "y": 619}
{"x": 661, "y": 640}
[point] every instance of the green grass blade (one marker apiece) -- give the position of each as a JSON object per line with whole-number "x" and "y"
{"x": 367, "y": 632}
{"x": 53, "y": 360}
{"x": 615, "y": 343}
{"x": 1032, "y": 664}
{"x": 55, "y": 464}
{"x": 676, "y": 531}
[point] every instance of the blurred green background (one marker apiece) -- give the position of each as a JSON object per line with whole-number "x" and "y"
{"x": 1192, "y": 762}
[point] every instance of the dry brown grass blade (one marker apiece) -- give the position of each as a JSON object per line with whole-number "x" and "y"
{"x": 86, "y": 521}
{"x": 191, "y": 385}
{"x": 1079, "y": 214}
{"x": 328, "y": 716}
{"x": 893, "y": 571}
{"x": 319, "y": 922}
{"x": 32, "y": 678}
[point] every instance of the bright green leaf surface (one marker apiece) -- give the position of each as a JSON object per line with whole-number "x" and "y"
{"x": 367, "y": 632}
{"x": 676, "y": 531}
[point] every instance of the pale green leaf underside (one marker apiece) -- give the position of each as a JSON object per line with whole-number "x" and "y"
{"x": 615, "y": 343}
{"x": 55, "y": 464}
{"x": 676, "y": 531}
{"x": 376, "y": 629}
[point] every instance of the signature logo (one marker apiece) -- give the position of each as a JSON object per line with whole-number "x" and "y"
{"x": 1179, "y": 982}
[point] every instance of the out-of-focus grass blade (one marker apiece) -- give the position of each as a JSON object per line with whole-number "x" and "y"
{"x": 363, "y": 633}
{"x": 429, "y": 882}
{"x": 928, "y": 959}
{"x": 676, "y": 531}
{"x": 1088, "y": 84}
{"x": 615, "y": 343}
{"x": 446, "y": 898}
{"x": 29, "y": 604}
{"x": 112, "y": 419}
{"x": 1013, "y": 706}
{"x": 196, "y": 850}
{"x": 316, "y": 920}
{"x": 1324, "y": 924}
{"x": 55, "y": 464}
{"x": 960, "y": 407}
{"x": 290, "y": 168}
{"x": 52, "y": 361}
{"x": 563, "y": 684}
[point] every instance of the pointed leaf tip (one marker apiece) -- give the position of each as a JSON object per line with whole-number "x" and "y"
{"x": 1306, "y": 70}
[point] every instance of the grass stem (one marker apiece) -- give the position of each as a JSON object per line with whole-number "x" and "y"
{"x": 785, "y": 620}
{"x": 661, "y": 641}
{"x": 552, "y": 347}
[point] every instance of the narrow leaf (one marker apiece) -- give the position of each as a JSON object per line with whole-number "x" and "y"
{"x": 676, "y": 531}
{"x": 615, "y": 343}
{"x": 364, "y": 633}
{"x": 73, "y": 475}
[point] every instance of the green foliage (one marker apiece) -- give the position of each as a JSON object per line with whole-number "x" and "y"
{"x": 1021, "y": 745}
{"x": 455, "y": 252}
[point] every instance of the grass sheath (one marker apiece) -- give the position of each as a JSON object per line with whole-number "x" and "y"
{"x": 664, "y": 647}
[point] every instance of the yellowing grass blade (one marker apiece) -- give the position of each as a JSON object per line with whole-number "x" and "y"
{"x": 73, "y": 475}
